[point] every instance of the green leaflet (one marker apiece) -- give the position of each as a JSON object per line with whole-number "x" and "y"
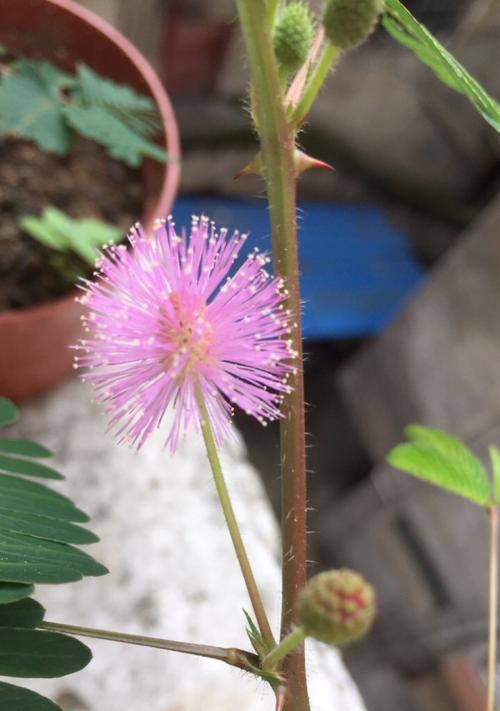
{"x": 443, "y": 460}
{"x": 23, "y": 495}
{"x": 24, "y": 447}
{"x": 10, "y": 592}
{"x": 406, "y": 30}
{"x": 23, "y": 613}
{"x": 38, "y": 557}
{"x": 14, "y": 698}
{"x": 40, "y": 654}
{"x": 8, "y": 412}
{"x": 38, "y": 526}
{"x": 28, "y": 468}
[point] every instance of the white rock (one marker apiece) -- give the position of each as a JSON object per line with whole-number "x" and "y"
{"x": 173, "y": 570}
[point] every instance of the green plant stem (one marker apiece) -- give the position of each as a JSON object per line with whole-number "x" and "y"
{"x": 288, "y": 644}
{"x": 232, "y": 524}
{"x": 272, "y": 9}
{"x": 318, "y": 75}
{"x": 234, "y": 657}
{"x": 277, "y": 145}
{"x": 493, "y": 605}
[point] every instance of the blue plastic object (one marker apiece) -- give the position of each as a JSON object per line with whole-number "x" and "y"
{"x": 357, "y": 269}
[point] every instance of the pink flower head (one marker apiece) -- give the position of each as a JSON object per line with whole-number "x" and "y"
{"x": 166, "y": 321}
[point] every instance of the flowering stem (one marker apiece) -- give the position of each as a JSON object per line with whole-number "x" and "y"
{"x": 277, "y": 139}
{"x": 329, "y": 54}
{"x": 288, "y": 644}
{"x": 493, "y": 604}
{"x": 232, "y": 524}
{"x": 234, "y": 657}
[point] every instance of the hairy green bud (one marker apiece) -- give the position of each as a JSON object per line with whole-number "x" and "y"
{"x": 293, "y": 36}
{"x": 337, "y": 607}
{"x": 347, "y": 23}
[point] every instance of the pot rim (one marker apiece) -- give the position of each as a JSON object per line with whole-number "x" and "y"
{"x": 38, "y": 310}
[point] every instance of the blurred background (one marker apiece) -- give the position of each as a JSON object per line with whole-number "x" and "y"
{"x": 401, "y": 279}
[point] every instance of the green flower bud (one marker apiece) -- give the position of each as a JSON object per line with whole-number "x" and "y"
{"x": 347, "y": 23}
{"x": 337, "y": 607}
{"x": 293, "y": 36}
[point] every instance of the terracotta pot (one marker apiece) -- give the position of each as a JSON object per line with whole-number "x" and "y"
{"x": 34, "y": 353}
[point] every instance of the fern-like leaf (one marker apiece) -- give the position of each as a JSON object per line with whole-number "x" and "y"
{"x": 120, "y": 140}
{"x": 31, "y": 105}
{"x": 36, "y": 533}
{"x": 138, "y": 112}
{"x": 59, "y": 231}
{"x": 443, "y": 460}
{"x": 406, "y": 30}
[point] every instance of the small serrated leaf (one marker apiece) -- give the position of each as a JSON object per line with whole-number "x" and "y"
{"x": 15, "y": 698}
{"x": 426, "y": 462}
{"x": 31, "y": 107}
{"x": 120, "y": 140}
{"x": 23, "y": 613}
{"x": 40, "y": 654}
{"x": 456, "y": 451}
{"x": 8, "y": 412}
{"x": 38, "y": 229}
{"x": 57, "y": 230}
{"x": 137, "y": 111}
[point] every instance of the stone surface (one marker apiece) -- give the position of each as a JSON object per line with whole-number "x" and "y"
{"x": 173, "y": 571}
{"x": 438, "y": 363}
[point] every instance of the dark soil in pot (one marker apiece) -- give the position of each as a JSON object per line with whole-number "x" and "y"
{"x": 85, "y": 183}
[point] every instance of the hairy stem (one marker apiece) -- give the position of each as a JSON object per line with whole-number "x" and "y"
{"x": 493, "y": 605}
{"x": 287, "y": 645}
{"x": 277, "y": 145}
{"x": 232, "y": 524}
{"x": 234, "y": 657}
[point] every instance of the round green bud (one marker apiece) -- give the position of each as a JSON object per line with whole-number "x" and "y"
{"x": 293, "y": 36}
{"x": 337, "y": 607}
{"x": 347, "y": 23}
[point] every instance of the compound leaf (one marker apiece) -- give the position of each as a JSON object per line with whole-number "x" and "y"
{"x": 31, "y": 105}
{"x": 137, "y": 111}
{"x": 121, "y": 141}
{"x": 443, "y": 460}
{"x": 406, "y": 30}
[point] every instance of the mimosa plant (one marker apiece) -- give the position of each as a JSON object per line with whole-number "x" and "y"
{"x": 170, "y": 322}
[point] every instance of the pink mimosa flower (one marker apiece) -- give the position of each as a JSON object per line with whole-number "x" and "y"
{"x": 165, "y": 321}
